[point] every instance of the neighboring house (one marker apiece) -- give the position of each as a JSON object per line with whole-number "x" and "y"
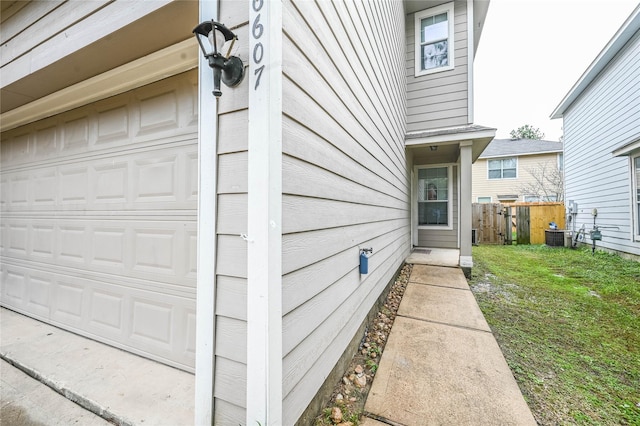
{"x": 230, "y": 247}
{"x": 601, "y": 121}
{"x": 518, "y": 170}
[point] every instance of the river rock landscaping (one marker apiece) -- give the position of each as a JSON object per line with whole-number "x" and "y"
{"x": 350, "y": 393}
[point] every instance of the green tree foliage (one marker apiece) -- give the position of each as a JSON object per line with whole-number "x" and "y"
{"x": 527, "y": 132}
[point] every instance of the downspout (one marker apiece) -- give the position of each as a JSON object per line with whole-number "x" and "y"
{"x": 206, "y": 275}
{"x": 470, "y": 59}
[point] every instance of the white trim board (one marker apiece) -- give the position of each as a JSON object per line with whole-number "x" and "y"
{"x": 449, "y": 137}
{"x": 264, "y": 239}
{"x": 470, "y": 59}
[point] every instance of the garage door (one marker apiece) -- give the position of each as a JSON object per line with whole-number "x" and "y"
{"x": 99, "y": 220}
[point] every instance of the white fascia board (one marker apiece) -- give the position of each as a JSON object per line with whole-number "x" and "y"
{"x": 148, "y": 69}
{"x": 451, "y": 137}
{"x": 207, "y": 242}
{"x": 521, "y": 154}
{"x": 617, "y": 42}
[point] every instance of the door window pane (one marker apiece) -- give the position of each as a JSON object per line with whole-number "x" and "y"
{"x": 433, "y": 196}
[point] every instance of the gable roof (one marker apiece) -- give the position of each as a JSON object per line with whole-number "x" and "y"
{"x": 615, "y": 45}
{"x": 518, "y": 147}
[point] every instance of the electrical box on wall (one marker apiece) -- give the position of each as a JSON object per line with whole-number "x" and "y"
{"x": 364, "y": 260}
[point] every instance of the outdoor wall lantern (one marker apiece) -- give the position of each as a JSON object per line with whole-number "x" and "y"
{"x": 229, "y": 69}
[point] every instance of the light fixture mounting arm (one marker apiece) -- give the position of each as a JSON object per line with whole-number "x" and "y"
{"x": 229, "y": 69}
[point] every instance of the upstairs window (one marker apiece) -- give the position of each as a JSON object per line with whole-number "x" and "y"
{"x": 434, "y": 40}
{"x": 505, "y": 168}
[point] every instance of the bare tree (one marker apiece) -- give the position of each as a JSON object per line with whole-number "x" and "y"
{"x": 547, "y": 183}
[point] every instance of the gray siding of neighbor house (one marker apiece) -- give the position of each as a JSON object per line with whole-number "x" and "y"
{"x": 603, "y": 118}
{"x": 439, "y": 99}
{"x": 345, "y": 179}
{"x": 443, "y": 238}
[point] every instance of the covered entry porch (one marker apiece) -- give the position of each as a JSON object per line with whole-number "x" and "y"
{"x": 440, "y": 162}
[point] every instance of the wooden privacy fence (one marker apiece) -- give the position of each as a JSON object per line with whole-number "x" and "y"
{"x": 495, "y": 223}
{"x": 538, "y": 216}
{"x": 487, "y": 222}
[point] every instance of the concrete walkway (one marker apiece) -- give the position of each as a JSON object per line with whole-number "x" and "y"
{"x": 441, "y": 364}
{"x": 116, "y": 385}
{"x": 26, "y": 401}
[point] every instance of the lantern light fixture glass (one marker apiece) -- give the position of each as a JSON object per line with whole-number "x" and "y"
{"x": 229, "y": 69}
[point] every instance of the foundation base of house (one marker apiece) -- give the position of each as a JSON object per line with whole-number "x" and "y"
{"x": 323, "y": 395}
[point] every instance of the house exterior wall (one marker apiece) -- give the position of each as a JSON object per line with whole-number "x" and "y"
{"x": 345, "y": 181}
{"x": 440, "y": 99}
{"x": 345, "y": 186}
{"x": 485, "y": 187}
{"x": 603, "y": 118}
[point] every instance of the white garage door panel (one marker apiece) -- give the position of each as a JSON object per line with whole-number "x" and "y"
{"x": 98, "y": 228}
{"x": 154, "y": 178}
{"x": 151, "y": 249}
{"x": 147, "y": 322}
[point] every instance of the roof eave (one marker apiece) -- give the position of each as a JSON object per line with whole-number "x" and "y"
{"x": 617, "y": 42}
{"x": 521, "y": 154}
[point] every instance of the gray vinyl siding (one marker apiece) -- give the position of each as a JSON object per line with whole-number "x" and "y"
{"x": 439, "y": 99}
{"x": 443, "y": 238}
{"x": 345, "y": 182}
{"x": 231, "y": 221}
{"x": 605, "y": 117}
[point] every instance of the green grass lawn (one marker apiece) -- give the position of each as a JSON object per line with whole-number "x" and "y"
{"x": 568, "y": 323}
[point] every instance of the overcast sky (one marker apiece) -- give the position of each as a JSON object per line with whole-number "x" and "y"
{"x": 532, "y": 52}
